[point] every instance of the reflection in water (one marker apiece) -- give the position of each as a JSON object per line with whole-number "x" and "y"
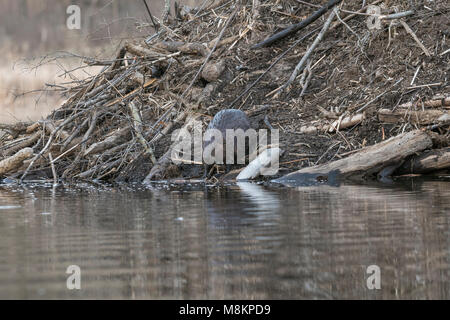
{"x": 241, "y": 242}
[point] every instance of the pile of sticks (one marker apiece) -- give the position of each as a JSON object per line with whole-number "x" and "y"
{"x": 130, "y": 108}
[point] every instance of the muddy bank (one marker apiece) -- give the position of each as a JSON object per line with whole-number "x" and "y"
{"x": 353, "y": 86}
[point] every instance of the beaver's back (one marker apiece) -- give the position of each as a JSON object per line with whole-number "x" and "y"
{"x": 229, "y": 119}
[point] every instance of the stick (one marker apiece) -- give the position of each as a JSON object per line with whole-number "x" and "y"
{"x": 429, "y": 116}
{"x": 298, "y": 26}
{"x": 351, "y": 16}
{"x": 308, "y": 53}
{"x": 271, "y": 66}
{"x": 260, "y": 164}
{"x": 137, "y": 124}
{"x": 55, "y": 176}
{"x": 434, "y": 103}
{"x": 26, "y": 143}
{"x": 151, "y": 16}
{"x": 49, "y": 142}
{"x": 408, "y": 29}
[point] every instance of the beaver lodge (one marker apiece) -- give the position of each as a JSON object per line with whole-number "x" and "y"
{"x": 358, "y": 91}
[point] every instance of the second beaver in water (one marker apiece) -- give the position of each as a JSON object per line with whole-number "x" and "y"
{"x": 224, "y": 120}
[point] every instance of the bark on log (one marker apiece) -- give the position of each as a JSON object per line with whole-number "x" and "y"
{"x": 120, "y": 137}
{"x": 414, "y": 117}
{"x": 24, "y": 144}
{"x": 434, "y": 160}
{"x": 15, "y": 161}
{"x": 434, "y": 103}
{"x": 368, "y": 161}
{"x": 15, "y": 129}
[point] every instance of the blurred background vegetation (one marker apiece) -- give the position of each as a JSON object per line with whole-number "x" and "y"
{"x": 30, "y": 29}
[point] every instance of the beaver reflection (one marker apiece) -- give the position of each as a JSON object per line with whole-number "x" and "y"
{"x": 244, "y": 205}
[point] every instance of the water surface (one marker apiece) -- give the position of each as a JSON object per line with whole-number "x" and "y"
{"x": 239, "y": 242}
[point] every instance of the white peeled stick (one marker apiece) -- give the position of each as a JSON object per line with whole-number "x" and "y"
{"x": 266, "y": 163}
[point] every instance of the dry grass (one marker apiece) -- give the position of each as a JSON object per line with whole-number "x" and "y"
{"x": 18, "y": 77}
{"x": 29, "y": 107}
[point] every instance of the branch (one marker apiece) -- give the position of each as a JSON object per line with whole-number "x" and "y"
{"x": 298, "y": 26}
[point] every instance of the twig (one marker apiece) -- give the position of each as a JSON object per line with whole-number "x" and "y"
{"x": 353, "y": 14}
{"x": 378, "y": 96}
{"x": 298, "y": 26}
{"x": 425, "y": 85}
{"x": 408, "y": 29}
{"x": 308, "y": 4}
{"x": 49, "y": 142}
{"x": 397, "y": 15}
{"x": 326, "y": 152}
{"x": 271, "y": 66}
{"x": 415, "y": 75}
{"x": 151, "y": 16}
{"x": 137, "y": 124}
{"x": 55, "y": 176}
{"x": 308, "y": 53}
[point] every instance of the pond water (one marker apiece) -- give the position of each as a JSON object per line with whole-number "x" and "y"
{"x": 244, "y": 241}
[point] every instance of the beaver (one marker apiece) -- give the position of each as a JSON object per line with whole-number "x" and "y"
{"x": 223, "y": 120}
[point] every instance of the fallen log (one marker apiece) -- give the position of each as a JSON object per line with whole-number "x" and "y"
{"x": 412, "y": 116}
{"x": 434, "y": 160}
{"x": 367, "y": 162}
{"x": 15, "y": 161}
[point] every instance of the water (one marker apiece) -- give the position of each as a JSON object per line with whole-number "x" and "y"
{"x": 239, "y": 242}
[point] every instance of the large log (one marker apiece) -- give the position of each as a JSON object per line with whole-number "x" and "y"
{"x": 367, "y": 162}
{"x": 434, "y": 160}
